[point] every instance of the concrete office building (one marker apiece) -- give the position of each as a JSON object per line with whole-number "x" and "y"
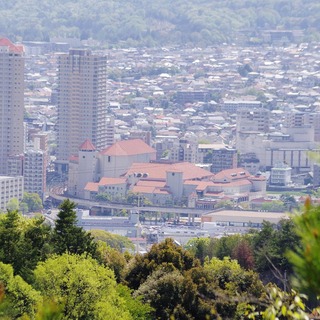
{"x": 11, "y": 102}
{"x": 250, "y": 122}
{"x": 82, "y": 103}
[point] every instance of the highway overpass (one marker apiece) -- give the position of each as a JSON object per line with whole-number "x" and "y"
{"x": 191, "y": 212}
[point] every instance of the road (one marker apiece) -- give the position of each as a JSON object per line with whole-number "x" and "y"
{"x": 90, "y": 204}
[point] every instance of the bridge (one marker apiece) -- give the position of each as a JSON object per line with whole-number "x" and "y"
{"x": 191, "y": 212}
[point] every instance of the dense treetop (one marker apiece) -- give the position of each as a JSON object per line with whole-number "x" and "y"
{"x": 145, "y": 22}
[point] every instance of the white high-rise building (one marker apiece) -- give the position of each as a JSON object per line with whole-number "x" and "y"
{"x": 11, "y": 102}
{"x": 82, "y": 103}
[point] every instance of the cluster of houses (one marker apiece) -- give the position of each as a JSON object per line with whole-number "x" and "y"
{"x": 217, "y": 109}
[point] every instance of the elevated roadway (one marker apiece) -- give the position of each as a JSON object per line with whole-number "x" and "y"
{"x": 89, "y": 204}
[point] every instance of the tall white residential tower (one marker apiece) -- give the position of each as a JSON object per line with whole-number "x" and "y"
{"x": 11, "y": 102}
{"x": 82, "y": 102}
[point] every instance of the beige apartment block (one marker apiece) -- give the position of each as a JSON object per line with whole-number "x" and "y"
{"x": 10, "y": 187}
{"x": 82, "y": 102}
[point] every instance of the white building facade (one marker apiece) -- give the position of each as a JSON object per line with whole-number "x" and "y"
{"x": 10, "y": 187}
{"x": 82, "y": 103}
{"x": 11, "y": 102}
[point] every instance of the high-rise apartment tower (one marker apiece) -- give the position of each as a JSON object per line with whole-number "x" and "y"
{"x": 11, "y": 102}
{"x": 82, "y": 102}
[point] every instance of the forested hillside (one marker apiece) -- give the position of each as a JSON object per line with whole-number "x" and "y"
{"x": 146, "y": 22}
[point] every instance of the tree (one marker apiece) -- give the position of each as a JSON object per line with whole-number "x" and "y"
{"x": 35, "y": 245}
{"x": 67, "y": 236}
{"x": 160, "y": 255}
{"x": 262, "y": 246}
{"x": 33, "y": 201}
{"x": 23, "y": 207}
{"x": 13, "y": 204}
{"x": 115, "y": 241}
{"x": 277, "y": 304}
{"x": 137, "y": 308}
{"x": 22, "y": 299}
{"x": 112, "y": 259}
{"x": 23, "y": 242}
{"x": 166, "y": 290}
{"x": 86, "y": 289}
{"x": 274, "y": 206}
{"x": 305, "y": 258}
{"x": 229, "y": 276}
{"x": 224, "y": 246}
{"x": 199, "y": 248}
{"x": 270, "y": 246}
{"x": 235, "y": 287}
{"x": 243, "y": 253}
{"x": 10, "y": 235}
{"x": 289, "y": 201}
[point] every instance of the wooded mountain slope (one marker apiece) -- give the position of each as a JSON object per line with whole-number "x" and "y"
{"x": 147, "y": 22}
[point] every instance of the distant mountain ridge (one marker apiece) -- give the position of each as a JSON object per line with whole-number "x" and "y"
{"x": 151, "y": 23}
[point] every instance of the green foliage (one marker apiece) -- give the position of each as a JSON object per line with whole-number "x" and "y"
{"x": 112, "y": 259}
{"x": 235, "y": 286}
{"x": 146, "y": 23}
{"x": 280, "y": 305}
{"x": 33, "y": 201}
{"x": 103, "y": 197}
{"x": 270, "y": 246}
{"x": 165, "y": 290}
{"x": 274, "y": 206}
{"x": 21, "y": 298}
{"x": 137, "y": 308}
{"x": 214, "y": 291}
{"x": 235, "y": 246}
{"x": 306, "y": 258}
{"x": 227, "y": 204}
{"x": 289, "y": 201}
{"x": 199, "y": 247}
{"x": 115, "y": 241}
{"x": 86, "y": 289}
{"x": 23, "y": 242}
{"x": 160, "y": 255}
{"x": 67, "y": 236}
{"x": 229, "y": 276}
{"x": 13, "y": 204}
{"x": 9, "y": 237}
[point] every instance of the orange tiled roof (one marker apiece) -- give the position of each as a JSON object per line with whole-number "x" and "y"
{"x": 74, "y": 158}
{"x": 4, "y": 42}
{"x": 146, "y": 183}
{"x": 236, "y": 183}
{"x": 232, "y": 174}
{"x": 257, "y": 178}
{"x": 202, "y": 185}
{"x": 128, "y": 148}
{"x": 149, "y": 189}
{"x": 87, "y": 146}
{"x": 108, "y": 181}
{"x": 92, "y": 187}
{"x": 158, "y": 171}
